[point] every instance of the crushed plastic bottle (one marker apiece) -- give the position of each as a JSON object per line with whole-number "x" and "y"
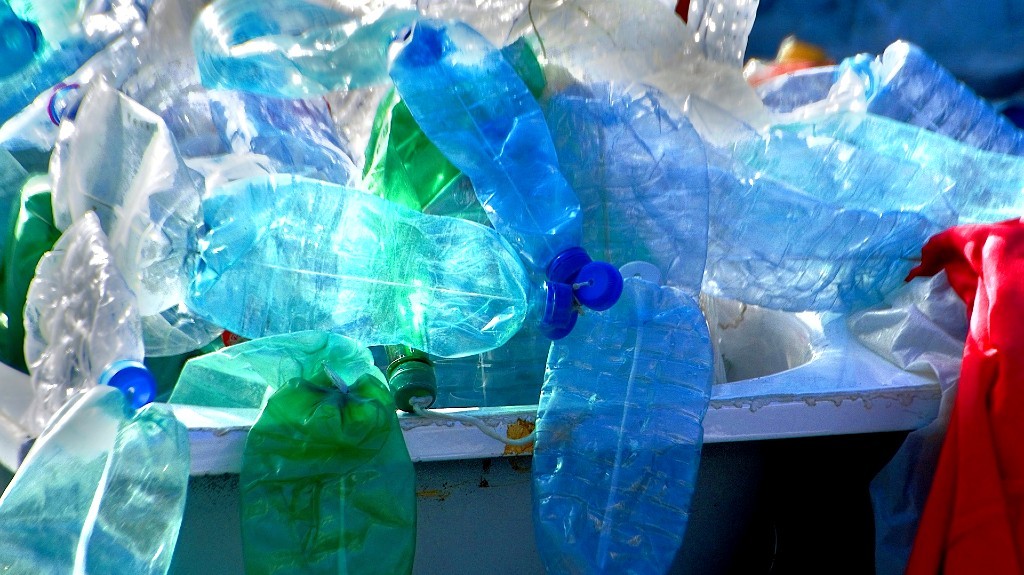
{"x": 803, "y": 224}
{"x": 338, "y": 443}
{"x": 31, "y": 234}
{"x": 905, "y": 84}
{"x": 294, "y": 48}
{"x": 245, "y": 374}
{"x": 82, "y": 325}
{"x": 619, "y": 434}
{"x": 986, "y": 186}
{"x": 474, "y": 107}
{"x": 285, "y": 253}
{"x": 640, "y": 172}
{"x": 147, "y": 201}
{"x": 102, "y": 491}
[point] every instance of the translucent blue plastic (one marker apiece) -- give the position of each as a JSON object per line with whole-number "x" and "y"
{"x": 19, "y": 41}
{"x": 69, "y": 49}
{"x": 297, "y": 135}
{"x": 641, "y": 176}
{"x": 816, "y": 224}
{"x": 101, "y": 491}
{"x": 293, "y": 48}
{"x": 619, "y": 434}
{"x": 905, "y": 84}
{"x": 474, "y": 107}
{"x": 285, "y": 253}
{"x": 987, "y": 186}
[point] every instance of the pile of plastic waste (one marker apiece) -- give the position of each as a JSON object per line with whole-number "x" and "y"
{"x": 415, "y": 206}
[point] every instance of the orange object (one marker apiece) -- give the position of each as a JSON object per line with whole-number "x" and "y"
{"x": 793, "y": 55}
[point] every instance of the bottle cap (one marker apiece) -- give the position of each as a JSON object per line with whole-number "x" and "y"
{"x": 641, "y": 269}
{"x": 133, "y": 379}
{"x": 411, "y": 378}
{"x": 559, "y": 313}
{"x": 19, "y": 41}
{"x": 564, "y": 267}
{"x": 598, "y": 285}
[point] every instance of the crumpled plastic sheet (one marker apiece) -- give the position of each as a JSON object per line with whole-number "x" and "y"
{"x": 101, "y": 491}
{"x": 80, "y": 317}
{"x": 920, "y": 328}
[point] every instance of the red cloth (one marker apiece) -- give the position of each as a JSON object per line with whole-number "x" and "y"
{"x": 973, "y": 520}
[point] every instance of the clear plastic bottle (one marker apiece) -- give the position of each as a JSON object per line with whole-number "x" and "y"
{"x": 476, "y": 109}
{"x": 285, "y": 253}
{"x": 619, "y": 434}
{"x": 102, "y": 491}
{"x": 82, "y": 325}
{"x": 294, "y": 48}
{"x": 147, "y": 201}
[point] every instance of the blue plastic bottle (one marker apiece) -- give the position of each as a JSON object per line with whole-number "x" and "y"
{"x": 905, "y": 84}
{"x": 285, "y": 253}
{"x": 641, "y": 175}
{"x": 813, "y": 223}
{"x": 68, "y": 50}
{"x": 472, "y": 105}
{"x": 985, "y": 186}
{"x": 619, "y": 434}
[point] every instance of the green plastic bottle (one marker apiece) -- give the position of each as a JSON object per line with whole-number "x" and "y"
{"x": 31, "y": 234}
{"x": 327, "y": 484}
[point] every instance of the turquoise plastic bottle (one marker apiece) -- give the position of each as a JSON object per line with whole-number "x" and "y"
{"x": 284, "y": 253}
{"x": 101, "y": 491}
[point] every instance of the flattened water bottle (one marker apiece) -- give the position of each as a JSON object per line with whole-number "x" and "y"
{"x": 619, "y": 434}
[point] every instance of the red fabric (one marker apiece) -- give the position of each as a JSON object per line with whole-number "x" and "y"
{"x": 973, "y": 520}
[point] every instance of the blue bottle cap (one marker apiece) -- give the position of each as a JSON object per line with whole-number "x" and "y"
{"x": 564, "y": 267}
{"x": 19, "y": 41}
{"x": 559, "y": 314}
{"x": 133, "y": 379}
{"x": 598, "y": 285}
